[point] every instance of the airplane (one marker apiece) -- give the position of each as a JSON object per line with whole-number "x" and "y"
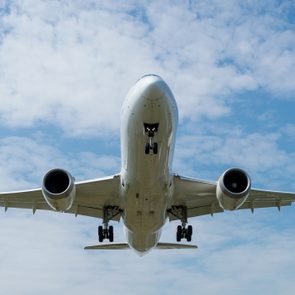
{"x": 146, "y": 192}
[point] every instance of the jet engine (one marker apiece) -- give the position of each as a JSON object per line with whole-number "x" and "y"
{"x": 233, "y": 188}
{"x": 58, "y": 189}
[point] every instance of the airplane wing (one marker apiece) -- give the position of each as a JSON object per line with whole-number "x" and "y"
{"x": 91, "y": 197}
{"x": 199, "y": 196}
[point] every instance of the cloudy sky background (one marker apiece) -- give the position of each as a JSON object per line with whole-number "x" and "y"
{"x": 65, "y": 68}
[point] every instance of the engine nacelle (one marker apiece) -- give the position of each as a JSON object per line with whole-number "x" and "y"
{"x": 59, "y": 189}
{"x": 233, "y": 188}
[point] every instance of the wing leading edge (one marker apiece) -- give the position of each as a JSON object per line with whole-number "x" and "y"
{"x": 91, "y": 197}
{"x": 199, "y": 197}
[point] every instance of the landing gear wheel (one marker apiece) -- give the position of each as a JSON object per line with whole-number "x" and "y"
{"x": 155, "y": 148}
{"x": 189, "y": 238}
{"x": 111, "y": 233}
{"x": 100, "y": 233}
{"x": 147, "y": 148}
{"x": 150, "y": 130}
{"x": 178, "y": 233}
{"x": 189, "y": 233}
{"x": 190, "y": 230}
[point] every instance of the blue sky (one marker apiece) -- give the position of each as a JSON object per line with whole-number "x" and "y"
{"x": 65, "y": 68}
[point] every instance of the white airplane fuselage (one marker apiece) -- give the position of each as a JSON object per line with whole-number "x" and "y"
{"x": 146, "y": 180}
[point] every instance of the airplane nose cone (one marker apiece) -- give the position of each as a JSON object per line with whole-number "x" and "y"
{"x": 152, "y": 87}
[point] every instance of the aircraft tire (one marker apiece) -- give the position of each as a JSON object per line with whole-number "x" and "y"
{"x": 189, "y": 233}
{"x": 100, "y": 234}
{"x": 147, "y": 148}
{"x": 111, "y": 233}
{"x": 155, "y": 148}
{"x": 178, "y": 233}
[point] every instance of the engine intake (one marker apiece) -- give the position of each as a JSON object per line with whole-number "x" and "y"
{"x": 233, "y": 188}
{"x": 59, "y": 189}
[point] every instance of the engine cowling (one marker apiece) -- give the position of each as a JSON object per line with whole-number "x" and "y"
{"x": 233, "y": 188}
{"x": 58, "y": 189}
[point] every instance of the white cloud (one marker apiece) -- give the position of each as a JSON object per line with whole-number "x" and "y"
{"x": 69, "y": 61}
{"x": 24, "y": 161}
{"x": 51, "y": 253}
{"x": 68, "y": 70}
{"x": 289, "y": 130}
{"x": 261, "y": 155}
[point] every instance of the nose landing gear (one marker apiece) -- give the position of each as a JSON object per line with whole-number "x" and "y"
{"x": 150, "y": 130}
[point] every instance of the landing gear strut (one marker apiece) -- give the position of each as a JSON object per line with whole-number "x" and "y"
{"x": 150, "y": 130}
{"x": 105, "y": 231}
{"x": 182, "y": 231}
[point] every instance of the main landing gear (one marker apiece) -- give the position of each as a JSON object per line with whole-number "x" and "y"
{"x": 150, "y": 130}
{"x": 105, "y": 231}
{"x": 183, "y": 231}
